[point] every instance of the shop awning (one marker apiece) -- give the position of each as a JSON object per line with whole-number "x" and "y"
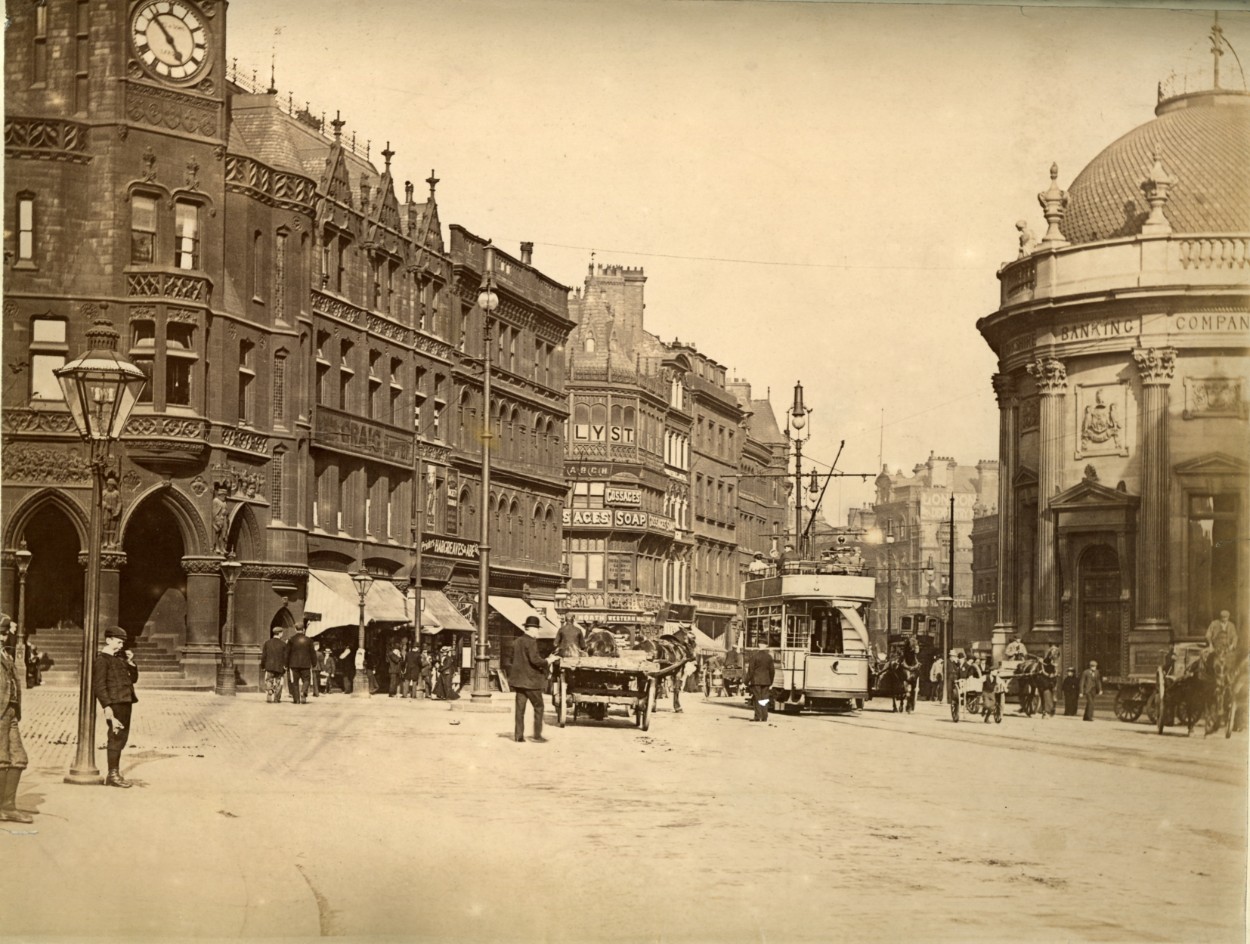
{"x": 547, "y": 610}
{"x": 515, "y": 610}
{"x": 443, "y": 613}
{"x": 705, "y": 643}
{"x": 333, "y": 594}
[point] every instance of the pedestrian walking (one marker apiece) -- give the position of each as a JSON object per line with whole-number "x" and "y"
{"x": 301, "y": 658}
{"x": 273, "y": 664}
{"x": 13, "y": 758}
{"x": 446, "y": 669}
{"x": 1071, "y": 692}
{"x": 114, "y": 689}
{"x": 427, "y": 672}
{"x": 412, "y": 672}
{"x": 315, "y": 674}
{"x": 1091, "y": 686}
{"x": 989, "y": 693}
{"x": 936, "y": 670}
{"x": 527, "y": 676}
{"x": 1048, "y": 680}
{"x": 347, "y": 670}
{"x": 327, "y": 668}
{"x": 759, "y": 676}
{"x": 394, "y": 669}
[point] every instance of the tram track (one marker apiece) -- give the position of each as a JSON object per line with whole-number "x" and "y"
{"x": 1229, "y": 771}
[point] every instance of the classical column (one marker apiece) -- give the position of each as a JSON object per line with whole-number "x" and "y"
{"x": 1008, "y": 461}
{"x": 1051, "y": 378}
{"x": 1155, "y": 365}
{"x": 200, "y": 652}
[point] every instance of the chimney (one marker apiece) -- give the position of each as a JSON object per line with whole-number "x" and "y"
{"x": 527, "y": 253}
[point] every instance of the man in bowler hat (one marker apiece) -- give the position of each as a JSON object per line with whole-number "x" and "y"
{"x": 528, "y": 678}
{"x": 114, "y": 689}
{"x": 759, "y": 675}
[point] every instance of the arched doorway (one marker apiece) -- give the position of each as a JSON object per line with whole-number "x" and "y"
{"x": 1098, "y": 626}
{"x": 153, "y": 585}
{"x": 54, "y": 583}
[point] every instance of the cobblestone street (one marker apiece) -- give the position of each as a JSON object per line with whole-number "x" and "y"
{"x": 358, "y": 819}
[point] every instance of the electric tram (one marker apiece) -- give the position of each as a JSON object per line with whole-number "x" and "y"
{"x": 811, "y": 617}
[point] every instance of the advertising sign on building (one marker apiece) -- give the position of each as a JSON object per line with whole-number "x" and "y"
{"x": 615, "y": 495}
{"x": 449, "y": 547}
{"x": 599, "y": 432}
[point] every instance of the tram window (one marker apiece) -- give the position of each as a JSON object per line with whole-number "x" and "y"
{"x": 827, "y": 631}
{"x": 905, "y": 627}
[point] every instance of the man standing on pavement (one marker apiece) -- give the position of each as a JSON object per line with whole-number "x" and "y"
{"x": 527, "y": 675}
{"x": 935, "y": 679}
{"x": 1222, "y": 633}
{"x": 1071, "y": 692}
{"x": 412, "y": 672}
{"x": 1091, "y": 686}
{"x": 301, "y": 658}
{"x": 273, "y": 664}
{"x": 759, "y": 676}
{"x": 12, "y": 754}
{"x": 114, "y": 683}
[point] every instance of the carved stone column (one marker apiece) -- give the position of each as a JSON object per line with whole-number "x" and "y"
{"x": 1155, "y": 365}
{"x": 203, "y": 645}
{"x": 1008, "y": 462}
{"x": 1051, "y": 378}
{"x": 111, "y": 563}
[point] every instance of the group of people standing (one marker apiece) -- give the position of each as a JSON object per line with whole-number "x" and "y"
{"x": 305, "y": 666}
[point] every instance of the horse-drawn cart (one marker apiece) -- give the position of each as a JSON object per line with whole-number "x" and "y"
{"x": 1172, "y": 694}
{"x": 970, "y": 696}
{"x": 595, "y": 682}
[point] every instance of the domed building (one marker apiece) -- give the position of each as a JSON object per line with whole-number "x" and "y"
{"x": 1123, "y": 345}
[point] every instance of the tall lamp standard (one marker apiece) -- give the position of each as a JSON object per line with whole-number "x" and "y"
{"x": 100, "y": 389}
{"x": 363, "y": 581}
{"x": 488, "y": 302}
{"x": 22, "y": 555}
{"x": 945, "y": 602}
{"x": 225, "y": 669}
{"x": 889, "y": 580}
{"x": 798, "y": 433}
{"x": 948, "y": 601}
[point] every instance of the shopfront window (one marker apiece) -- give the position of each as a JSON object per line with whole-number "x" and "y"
{"x": 586, "y": 563}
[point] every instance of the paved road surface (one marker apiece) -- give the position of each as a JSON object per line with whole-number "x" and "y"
{"x": 358, "y": 819}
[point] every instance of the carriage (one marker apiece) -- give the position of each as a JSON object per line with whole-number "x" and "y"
{"x": 1020, "y": 678}
{"x": 594, "y": 683}
{"x": 1173, "y": 694}
{"x": 969, "y": 696}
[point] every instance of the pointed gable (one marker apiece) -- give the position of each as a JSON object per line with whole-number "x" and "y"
{"x": 385, "y": 209}
{"x": 336, "y": 184}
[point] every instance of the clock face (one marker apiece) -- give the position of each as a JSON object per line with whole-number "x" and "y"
{"x": 170, "y": 39}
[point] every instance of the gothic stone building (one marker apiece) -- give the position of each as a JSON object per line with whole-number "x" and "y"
{"x": 313, "y": 349}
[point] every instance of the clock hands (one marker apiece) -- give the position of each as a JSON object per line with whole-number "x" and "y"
{"x": 168, "y": 38}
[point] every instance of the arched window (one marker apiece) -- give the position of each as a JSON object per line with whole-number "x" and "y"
{"x": 589, "y": 344}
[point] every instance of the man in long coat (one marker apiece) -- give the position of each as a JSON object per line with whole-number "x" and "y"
{"x": 1091, "y": 686}
{"x": 13, "y": 758}
{"x": 273, "y": 664}
{"x": 759, "y": 676}
{"x": 527, "y": 676}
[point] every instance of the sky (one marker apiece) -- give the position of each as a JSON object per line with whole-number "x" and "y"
{"x": 819, "y": 192}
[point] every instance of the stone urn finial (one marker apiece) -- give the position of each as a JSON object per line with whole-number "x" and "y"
{"x": 1156, "y": 188}
{"x": 1054, "y": 202}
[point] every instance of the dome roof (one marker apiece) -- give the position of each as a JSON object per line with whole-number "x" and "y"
{"x": 1201, "y": 139}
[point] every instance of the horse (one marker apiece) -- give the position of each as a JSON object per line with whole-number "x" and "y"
{"x": 899, "y": 680}
{"x": 600, "y": 642}
{"x": 1028, "y": 679}
{"x": 1236, "y": 683}
{"x": 669, "y": 650}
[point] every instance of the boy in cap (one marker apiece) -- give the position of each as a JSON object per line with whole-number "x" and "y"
{"x": 12, "y": 753}
{"x": 527, "y": 675}
{"x": 114, "y": 689}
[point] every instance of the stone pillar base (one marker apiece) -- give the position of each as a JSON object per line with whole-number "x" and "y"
{"x": 1148, "y": 643}
{"x": 199, "y": 663}
{"x": 1043, "y": 634}
{"x": 999, "y": 638}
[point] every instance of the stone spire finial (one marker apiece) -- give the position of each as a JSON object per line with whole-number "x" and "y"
{"x": 1217, "y": 44}
{"x": 337, "y": 125}
{"x": 1156, "y": 188}
{"x": 1054, "y": 202}
{"x": 408, "y": 188}
{"x": 387, "y": 154}
{"x": 432, "y": 181}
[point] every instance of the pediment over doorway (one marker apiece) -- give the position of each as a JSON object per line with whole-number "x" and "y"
{"x": 1212, "y": 463}
{"x": 1090, "y": 494}
{"x": 1024, "y": 478}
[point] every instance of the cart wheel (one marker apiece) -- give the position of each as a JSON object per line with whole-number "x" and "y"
{"x": 648, "y": 705}
{"x": 998, "y": 710}
{"x": 1152, "y": 708}
{"x": 562, "y": 708}
{"x": 1128, "y": 705}
{"x": 955, "y": 709}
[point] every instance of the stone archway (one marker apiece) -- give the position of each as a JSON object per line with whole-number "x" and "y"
{"x": 153, "y": 586}
{"x": 54, "y": 582}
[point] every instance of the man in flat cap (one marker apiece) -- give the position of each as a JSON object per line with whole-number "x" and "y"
{"x": 528, "y": 678}
{"x": 114, "y": 684}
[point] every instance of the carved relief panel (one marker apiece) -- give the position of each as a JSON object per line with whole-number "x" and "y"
{"x": 1101, "y": 420}
{"x": 1214, "y": 397}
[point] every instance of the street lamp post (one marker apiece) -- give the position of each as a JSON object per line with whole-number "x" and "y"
{"x": 889, "y": 586}
{"x": 363, "y": 581}
{"x": 944, "y": 602}
{"x": 488, "y": 302}
{"x": 22, "y": 555}
{"x": 100, "y": 389}
{"x": 798, "y": 432}
{"x": 225, "y": 669}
